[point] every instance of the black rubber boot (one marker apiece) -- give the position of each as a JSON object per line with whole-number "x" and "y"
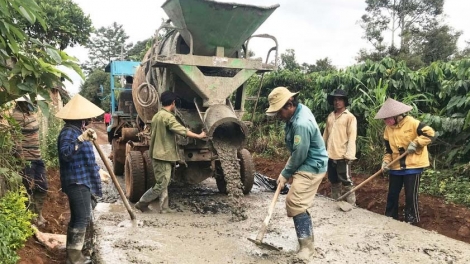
{"x": 351, "y": 198}
{"x": 304, "y": 229}
{"x": 75, "y": 240}
{"x": 336, "y": 190}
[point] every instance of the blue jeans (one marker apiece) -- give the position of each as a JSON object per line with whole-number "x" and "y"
{"x": 80, "y": 205}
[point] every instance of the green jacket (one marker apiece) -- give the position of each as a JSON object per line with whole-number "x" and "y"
{"x": 305, "y": 143}
{"x": 164, "y": 128}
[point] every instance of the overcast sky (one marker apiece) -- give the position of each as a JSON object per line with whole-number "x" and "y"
{"x": 315, "y": 29}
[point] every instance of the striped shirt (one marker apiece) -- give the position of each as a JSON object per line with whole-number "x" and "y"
{"x": 28, "y": 148}
{"x": 77, "y": 161}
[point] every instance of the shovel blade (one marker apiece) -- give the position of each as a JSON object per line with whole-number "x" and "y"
{"x": 264, "y": 245}
{"x": 345, "y": 206}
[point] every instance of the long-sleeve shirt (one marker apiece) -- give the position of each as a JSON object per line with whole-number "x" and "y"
{"x": 77, "y": 161}
{"x": 340, "y": 136}
{"x": 28, "y": 148}
{"x": 305, "y": 143}
{"x": 399, "y": 136}
{"x": 165, "y": 127}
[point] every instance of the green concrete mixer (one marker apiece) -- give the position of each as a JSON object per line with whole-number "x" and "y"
{"x": 200, "y": 55}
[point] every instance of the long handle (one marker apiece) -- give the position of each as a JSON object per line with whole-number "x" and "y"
{"x": 370, "y": 178}
{"x": 116, "y": 183}
{"x": 264, "y": 227}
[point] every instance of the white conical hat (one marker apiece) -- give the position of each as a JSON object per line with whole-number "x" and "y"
{"x": 79, "y": 108}
{"x": 392, "y": 108}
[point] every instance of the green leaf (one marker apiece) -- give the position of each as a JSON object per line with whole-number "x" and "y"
{"x": 54, "y": 55}
{"x": 26, "y": 87}
{"x": 29, "y": 16}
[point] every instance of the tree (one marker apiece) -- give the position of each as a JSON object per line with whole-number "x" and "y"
{"x": 67, "y": 25}
{"x": 27, "y": 65}
{"x": 439, "y": 43}
{"x": 320, "y": 65}
{"x": 288, "y": 61}
{"x": 107, "y": 44}
{"x": 402, "y": 18}
{"x": 90, "y": 89}
{"x": 137, "y": 52}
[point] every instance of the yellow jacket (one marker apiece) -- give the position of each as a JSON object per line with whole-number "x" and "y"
{"x": 399, "y": 136}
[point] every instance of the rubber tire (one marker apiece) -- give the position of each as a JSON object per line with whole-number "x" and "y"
{"x": 247, "y": 173}
{"x": 134, "y": 176}
{"x": 118, "y": 167}
{"x": 149, "y": 175}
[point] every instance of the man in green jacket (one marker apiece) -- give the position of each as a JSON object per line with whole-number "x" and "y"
{"x": 163, "y": 149}
{"x": 306, "y": 166}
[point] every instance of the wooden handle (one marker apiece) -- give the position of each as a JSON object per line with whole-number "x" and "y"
{"x": 264, "y": 227}
{"x": 115, "y": 181}
{"x": 371, "y": 177}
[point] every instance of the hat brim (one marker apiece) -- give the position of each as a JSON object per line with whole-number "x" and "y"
{"x": 273, "y": 109}
{"x": 330, "y": 98}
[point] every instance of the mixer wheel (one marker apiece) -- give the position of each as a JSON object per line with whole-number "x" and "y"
{"x": 134, "y": 176}
{"x": 247, "y": 170}
{"x": 149, "y": 175}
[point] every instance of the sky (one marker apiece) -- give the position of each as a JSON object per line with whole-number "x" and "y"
{"x": 315, "y": 29}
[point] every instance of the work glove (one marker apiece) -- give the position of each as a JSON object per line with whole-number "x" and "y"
{"x": 385, "y": 167}
{"x": 88, "y": 135}
{"x": 281, "y": 180}
{"x": 412, "y": 148}
{"x": 104, "y": 176}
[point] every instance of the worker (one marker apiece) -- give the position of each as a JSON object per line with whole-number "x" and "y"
{"x": 340, "y": 140}
{"x": 163, "y": 151}
{"x": 79, "y": 173}
{"x": 28, "y": 149}
{"x": 403, "y": 134}
{"x": 306, "y": 165}
{"x": 107, "y": 120}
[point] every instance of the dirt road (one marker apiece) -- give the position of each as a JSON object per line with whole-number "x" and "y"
{"x": 202, "y": 232}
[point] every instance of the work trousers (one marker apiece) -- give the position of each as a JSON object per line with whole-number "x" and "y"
{"x": 80, "y": 205}
{"x": 411, "y": 183}
{"x": 162, "y": 172}
{"x": 339, "y": 171}
{"x": 34, "y": 176}
{"x": 302, "y": 192}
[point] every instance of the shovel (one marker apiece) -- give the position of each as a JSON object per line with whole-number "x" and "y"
{"x": 259, "y": 238}
{"x": 116, "y": 183}
{"x": 345, "y": 206}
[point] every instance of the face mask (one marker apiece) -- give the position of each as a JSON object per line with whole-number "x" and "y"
{"x": 85, "y": 123}
{"x": 390, "y": 121}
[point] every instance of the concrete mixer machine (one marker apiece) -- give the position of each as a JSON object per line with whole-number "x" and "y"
{"x": 201, "y": 55}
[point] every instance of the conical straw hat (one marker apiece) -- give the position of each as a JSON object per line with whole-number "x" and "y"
{"x": 79, "y": 108}
{"x": 392, "y": 108}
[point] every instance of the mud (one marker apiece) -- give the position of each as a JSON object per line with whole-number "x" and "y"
{"x": 358, "y": 236}
{"x": 227, "y": 153}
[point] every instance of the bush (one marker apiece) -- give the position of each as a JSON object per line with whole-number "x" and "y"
{"x": 446, "y": 183}
{"x": 15, "y": 226}
{"x": 49, "y": 151}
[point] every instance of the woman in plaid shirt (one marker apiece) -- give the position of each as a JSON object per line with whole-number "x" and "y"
{"x": 79, "y": 173}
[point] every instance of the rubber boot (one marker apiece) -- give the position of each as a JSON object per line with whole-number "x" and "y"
{"x": 37, "y": 205}
{"x": 304, "y": 229}
{"x": 164, "y": 207}
{"x": 75, "y": 240}
{"x": 335, "y": 190}
{"x": 146, "y": 199}
{"x": 352, "y": 197}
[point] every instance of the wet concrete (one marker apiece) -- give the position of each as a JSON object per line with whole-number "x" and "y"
{"x": 203, "y": 232}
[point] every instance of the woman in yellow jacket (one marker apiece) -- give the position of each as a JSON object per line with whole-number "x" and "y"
{"x": 404, "y": 133}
